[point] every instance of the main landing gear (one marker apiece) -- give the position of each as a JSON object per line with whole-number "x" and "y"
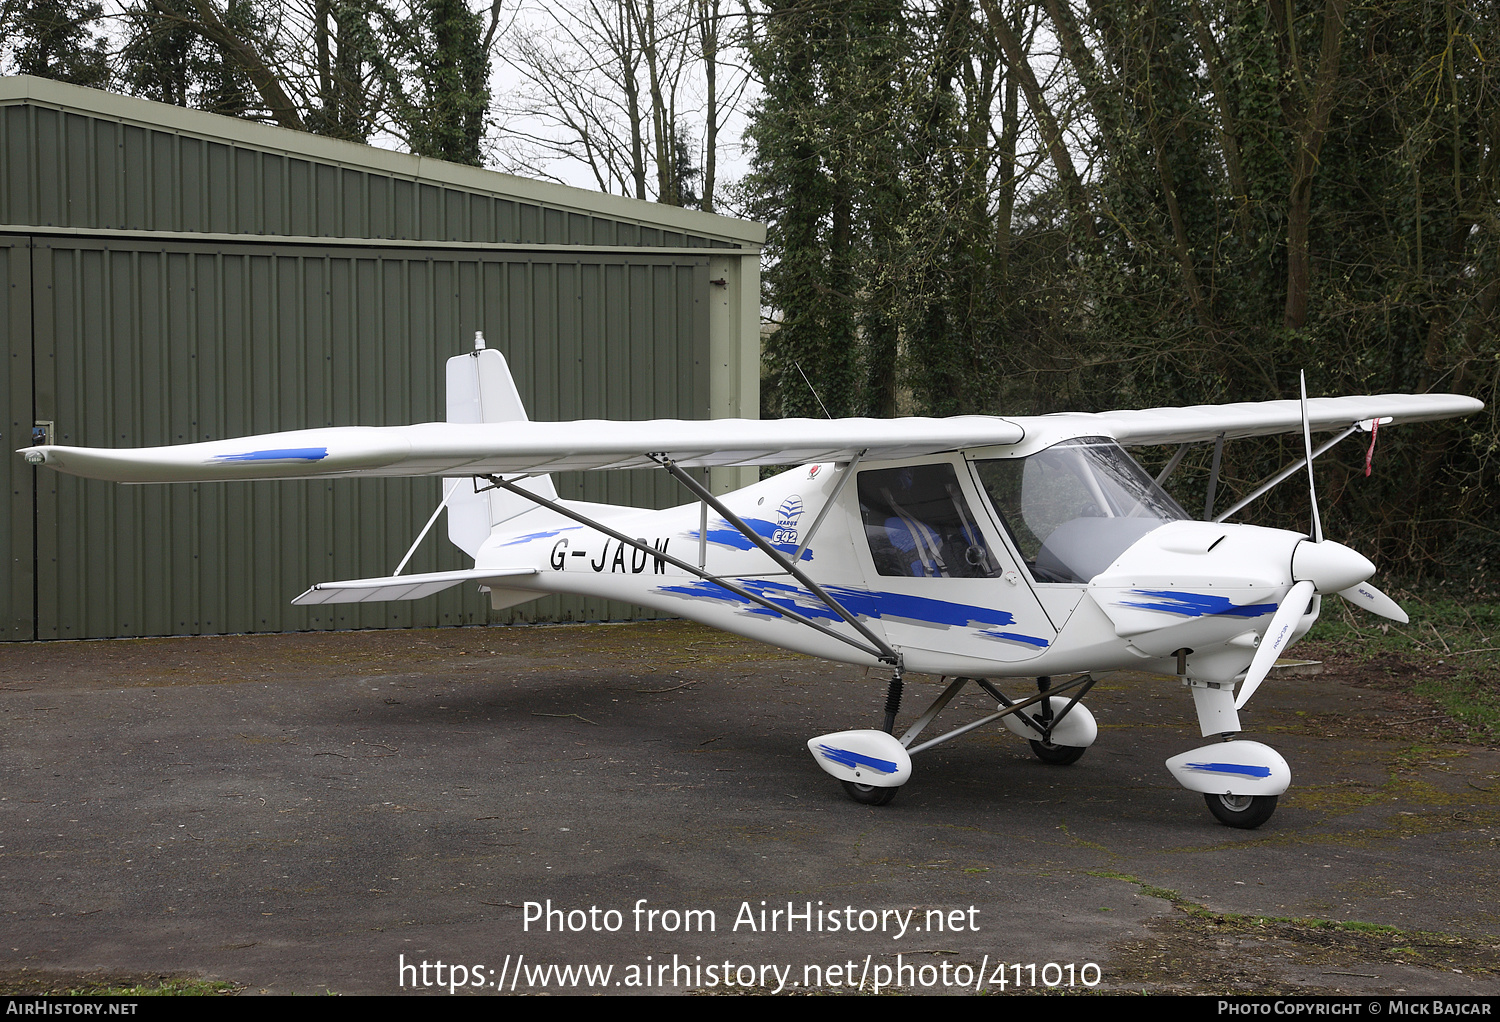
{"x": 872, "y": 765}
{"x": 1056, "y": 755}
{"x": 1239, "y": 780}
{"x": 1059, "y": 744}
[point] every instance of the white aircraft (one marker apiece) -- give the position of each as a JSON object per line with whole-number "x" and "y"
{"x": 975, "y": 548}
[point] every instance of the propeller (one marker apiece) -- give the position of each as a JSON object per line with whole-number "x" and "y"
{"x": 1276, "y": 640}
{"x": 1372, "y": 599}
{"x": 1318, "y": 567}
{"x": 1312, "y": 489}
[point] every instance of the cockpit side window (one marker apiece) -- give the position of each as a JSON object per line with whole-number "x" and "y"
{"x": 918, "y": 524}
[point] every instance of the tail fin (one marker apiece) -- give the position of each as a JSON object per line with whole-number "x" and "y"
{"x": 480, "y": 389}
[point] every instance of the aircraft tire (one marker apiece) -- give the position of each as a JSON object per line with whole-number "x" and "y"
{"x": 1057, "y": 755}
{"x": 868, "y": 794}
{"x": 1245, "y": 812}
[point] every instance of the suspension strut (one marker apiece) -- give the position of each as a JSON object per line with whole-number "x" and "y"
{"x": 892, "y": 703}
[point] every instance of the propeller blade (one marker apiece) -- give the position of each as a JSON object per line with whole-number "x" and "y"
{"x": 1367, "y": 597}
{"x": 1277, "y": 637}
{"x": 1312, "y": 490}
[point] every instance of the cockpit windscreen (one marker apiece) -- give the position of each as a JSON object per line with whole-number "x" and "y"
{"x": 1076, "y": 506}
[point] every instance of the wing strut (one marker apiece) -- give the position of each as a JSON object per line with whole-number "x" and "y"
{"x": 879, "y": 650}
{"x": 833, "y": 498}
{"x": 423, "y": 534}
{"x": 1272, "y": 480}
{"x": 887, "y": 654}
{"x": 1213, "y": 478}
{"x": 1166, "y": 473}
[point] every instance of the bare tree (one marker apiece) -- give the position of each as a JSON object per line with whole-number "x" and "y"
{"x": 581, "y": 88}
{"x": 637, "y": 91}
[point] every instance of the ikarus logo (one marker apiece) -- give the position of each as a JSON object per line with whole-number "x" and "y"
{"x": 786, "y": 523}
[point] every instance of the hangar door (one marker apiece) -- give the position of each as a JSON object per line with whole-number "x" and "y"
{"x": 137, "y": 342}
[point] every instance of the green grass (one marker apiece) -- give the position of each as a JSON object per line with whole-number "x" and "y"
{"x": 1196, "y": 950}
{"x": 57, "y": 984}
{"x": 1197, "y": 911}
{"x": 1449, "y": 654}
{"x": 162, "y": 987}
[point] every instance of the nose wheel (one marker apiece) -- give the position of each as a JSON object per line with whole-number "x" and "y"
{"x": 1245, "y": 812}
{"x": 1257, "y": 771}
{"x": 868, "y": 794}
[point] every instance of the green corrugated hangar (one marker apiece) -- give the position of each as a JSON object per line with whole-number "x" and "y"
{"x": 174, "y": 275}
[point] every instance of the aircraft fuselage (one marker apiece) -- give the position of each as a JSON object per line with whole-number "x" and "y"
{"x": 935, "y": 569}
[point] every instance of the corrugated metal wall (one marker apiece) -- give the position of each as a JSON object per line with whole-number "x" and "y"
{"x": 144, "y": 344}
{"x": 18, "y": 615}
{"x": 177, "y": 276}
{"x": 69, "y": 169}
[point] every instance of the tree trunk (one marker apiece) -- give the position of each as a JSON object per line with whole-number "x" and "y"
{"x": 1051, "y": 132}
{"x": 1310, "y": 127}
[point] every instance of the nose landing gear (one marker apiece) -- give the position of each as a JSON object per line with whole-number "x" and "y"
{"x": 1245, "y": 812}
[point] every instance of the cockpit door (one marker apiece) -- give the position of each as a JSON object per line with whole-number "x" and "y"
{"x": 940, "y": 578}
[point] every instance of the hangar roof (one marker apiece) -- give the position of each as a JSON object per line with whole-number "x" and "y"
{"x": 84, "y": 159}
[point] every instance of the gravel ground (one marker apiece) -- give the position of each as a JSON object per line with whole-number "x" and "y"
{"x": 328, "y": 812}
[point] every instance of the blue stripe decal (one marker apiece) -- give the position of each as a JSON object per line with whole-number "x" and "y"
{"x": 284, "y": 454}
{"x": 548, "y": 534}
{"x": 723, "y": 534}
{"x": 1025, "y": 640}
{"x": 856, "y": 759}
{"x": 1197, "y": 604}
{"x": 1246, "y": 769}
{"x": 860, "y": 603}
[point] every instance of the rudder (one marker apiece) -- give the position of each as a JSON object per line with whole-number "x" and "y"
{"x": 481, "y": 389}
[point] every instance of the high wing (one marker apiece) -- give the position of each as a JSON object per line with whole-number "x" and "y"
{"x": 460, "y": 449}
{"x": 1147, "y": 426}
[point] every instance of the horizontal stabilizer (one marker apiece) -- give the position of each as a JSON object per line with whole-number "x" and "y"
{"x": 400, "y": 587}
